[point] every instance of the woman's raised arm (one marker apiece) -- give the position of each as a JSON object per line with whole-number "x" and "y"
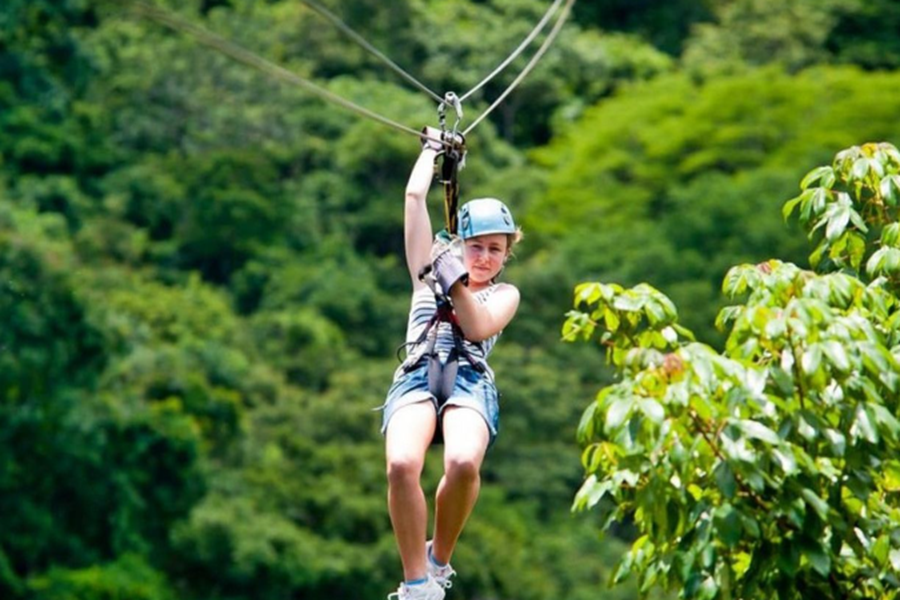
{"x": 417, "y": 223}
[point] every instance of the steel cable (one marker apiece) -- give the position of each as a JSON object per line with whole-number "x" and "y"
{"x": 250, "y": 59}
{"x": 211, "y": 40}
{"x": 362, "y": 42}
{"x": 538, "y": 55}
{"x": 515, "y": 54}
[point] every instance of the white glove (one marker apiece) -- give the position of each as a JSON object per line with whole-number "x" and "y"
{"x": 448, "y": 269}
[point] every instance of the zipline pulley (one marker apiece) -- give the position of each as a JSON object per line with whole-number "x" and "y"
{"x": 453, "y": 159}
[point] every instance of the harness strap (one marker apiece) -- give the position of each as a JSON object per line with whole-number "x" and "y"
{"x": 453, "y": 160}
{"x": 442, "y": 376}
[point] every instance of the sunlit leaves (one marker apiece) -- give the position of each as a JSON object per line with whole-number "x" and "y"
{"x": 776, "y": 458}
{"x": 636, "y": 318}
{"x": 858, "y": 192}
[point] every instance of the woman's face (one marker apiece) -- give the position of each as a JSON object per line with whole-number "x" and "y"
{"x": 484, "y": 256}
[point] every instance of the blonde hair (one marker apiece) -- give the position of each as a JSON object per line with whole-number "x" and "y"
{"x": 512, "y": 239}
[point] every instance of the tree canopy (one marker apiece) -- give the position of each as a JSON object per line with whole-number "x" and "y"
{"x": 202, "y": 281}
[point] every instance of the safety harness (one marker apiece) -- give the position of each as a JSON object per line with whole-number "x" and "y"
{"x": 442, "y": 376}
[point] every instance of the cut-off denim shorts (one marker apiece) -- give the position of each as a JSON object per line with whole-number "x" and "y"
{"x": 472, "y": 390}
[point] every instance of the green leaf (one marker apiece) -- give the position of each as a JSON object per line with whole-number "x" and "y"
{"x": 727, "y": 316}
{"x": 728, "y": 523}
{"x": 807, "y": 429}
{"x": 890, "y": 235}
{"x": 837, "y": 355}
{"x": 817, "y": 504}
{"x": 818, "y": 201}
{"x": 880, "y": 549}
{"x": 860, "y": 168}
{"x": 587, "y": 293}
{"x": 628, "y": 303}
{"x": 863, "y": 427}
{"x": 684, "y": 332}
{"x": 887, "y": 422}
{"x": 653, "y": 410}
{"x": 856, "y": 245}
{"x": 591, "y": 492}
{"x": 876, "y": 261}
{"x": 817, "y": 174}
{"x": 617, "y": 412}
{"x": 816, "y": 257}
{"x": 611, "y": 319}
{"x": 789, "y": 206}
{"x": 786, "y": 459}
{"x": 837, "y": 441}
{"x": 818, "y": 558}
{"x": 857, "y": 220}
{"x": 890, "y": 189}
{"x": 895, "y": 558}
{"x": 788, "y": 557}
{"x": 811, "y": 359}
{"x": 758, "y": 431}
{"x": 837, "y": 222}
{"x": 884, "y": 260}
{"x": 586, "y": 427}
{"x": 736, "y": 280}
{"x": 725, "y": 479}
{"x": 655, "y": 312}
{"x": 624, "y": 569}
{"x": 782, "y": 379}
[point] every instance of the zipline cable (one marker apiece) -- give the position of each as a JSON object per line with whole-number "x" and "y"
{"x": 515, "y": 54}
{"x": 250, "y": 59}
{"x": 241, "y": 55}
{"x": 362, "y": 42}
{"x": 534, "y": 59}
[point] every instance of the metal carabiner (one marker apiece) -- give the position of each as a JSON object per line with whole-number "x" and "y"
{"x": 450, "y": 99}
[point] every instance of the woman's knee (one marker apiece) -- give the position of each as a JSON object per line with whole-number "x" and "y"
{"x": 404, "y": 469}
{"x": 462, "y": 467}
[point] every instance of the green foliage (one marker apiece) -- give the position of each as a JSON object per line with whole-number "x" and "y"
{"x": 672, "y": 182}
{"x": 864, "y": 34}
{"x": 791, "y": 33}
{"x": 861, "y": 186}
{"x": 766, "y": 470}
{"x": 129, "y": 577}
{"x": 84, "y": 481}
{"x": 664, "y": 24}
{"x": 232, "y": 545}
{"x": 46, "y": 337}
{"x": 202, "y": 281}
{"x": 234, "y": 209}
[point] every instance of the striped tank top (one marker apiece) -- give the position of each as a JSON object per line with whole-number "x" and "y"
{"x": 421, "y": 310}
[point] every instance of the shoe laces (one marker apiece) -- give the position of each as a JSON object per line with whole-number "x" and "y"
{"x": 404, "y": 592}
{"x": 440, "y": 574}
{"x": 401, "y": 594}
{"x": 443, "y": 574}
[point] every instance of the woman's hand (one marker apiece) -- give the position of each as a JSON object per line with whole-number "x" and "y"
{"x": 448, "y": 269}
{"x": 432, "y": 139}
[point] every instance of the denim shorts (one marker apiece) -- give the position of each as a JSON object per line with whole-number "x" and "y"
{"x": 472, "y": 390}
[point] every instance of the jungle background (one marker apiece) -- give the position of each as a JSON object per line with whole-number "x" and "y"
{"x": 202, "y": 283}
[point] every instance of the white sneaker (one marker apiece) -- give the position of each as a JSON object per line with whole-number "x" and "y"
{"x": 441, "y": 575}
{"x": 430, "y": 590}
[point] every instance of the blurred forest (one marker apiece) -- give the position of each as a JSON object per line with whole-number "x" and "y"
{"x": 202, "y": 283}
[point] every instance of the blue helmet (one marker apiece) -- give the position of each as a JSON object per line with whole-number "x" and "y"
{"x": 485, "y": 216}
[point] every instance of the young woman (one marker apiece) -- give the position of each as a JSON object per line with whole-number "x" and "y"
{"x": 459, "y": 405}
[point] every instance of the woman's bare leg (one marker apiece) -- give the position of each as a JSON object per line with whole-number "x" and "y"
{"x": 408, "y": 436}
{"x": 466, "y": 439}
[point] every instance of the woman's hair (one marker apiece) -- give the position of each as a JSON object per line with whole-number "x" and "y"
{"x": 512, "y": 239}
